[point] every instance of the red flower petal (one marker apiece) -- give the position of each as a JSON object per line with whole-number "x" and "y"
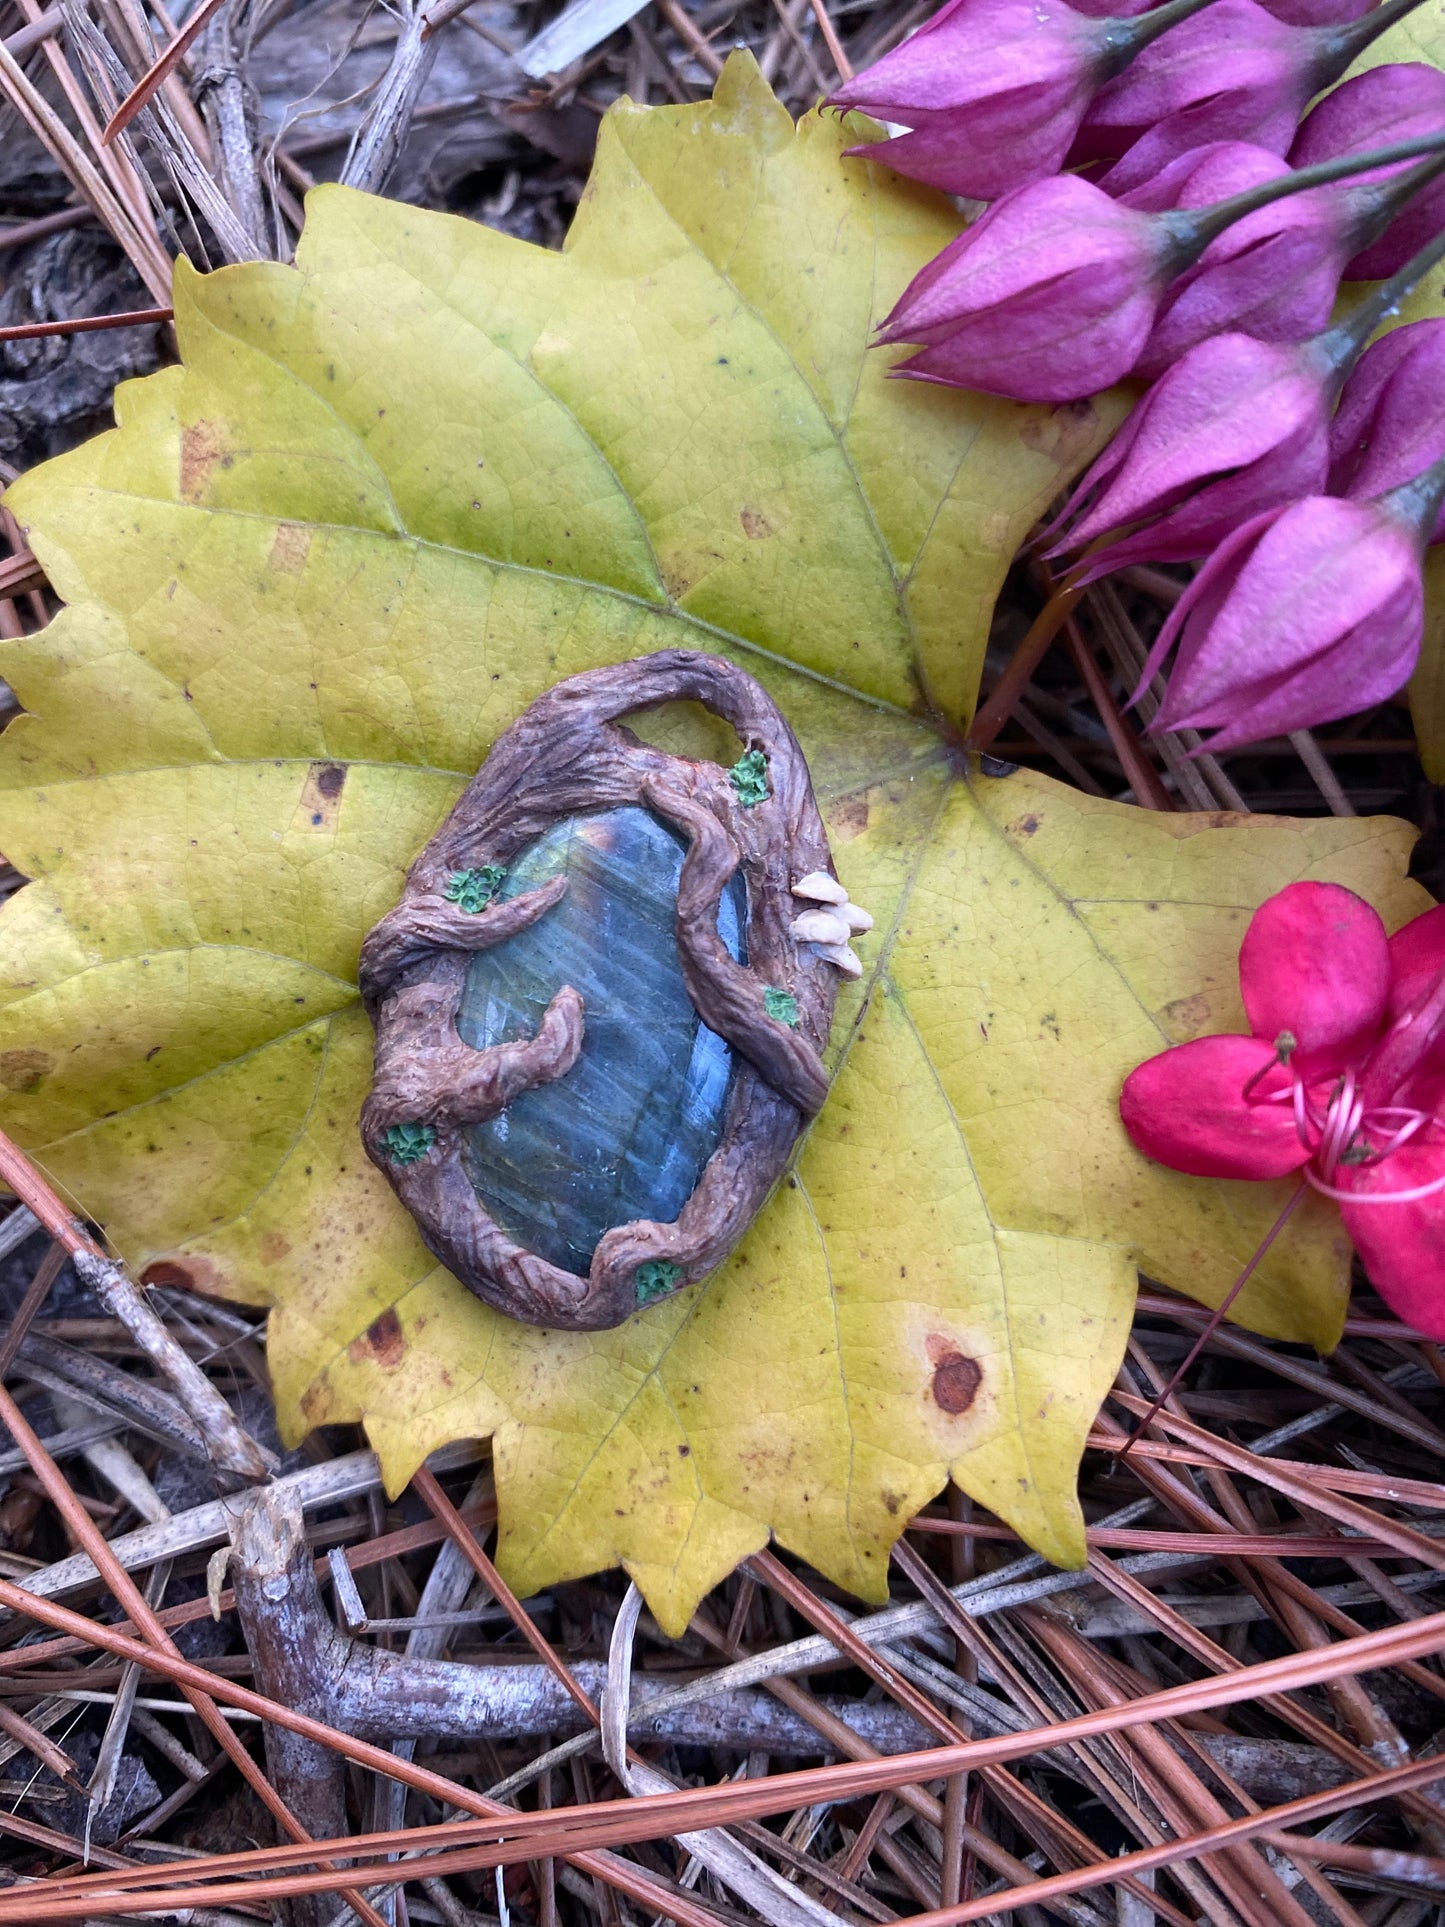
{"x": 1402, "y": 1244}
{"x": 1186, "y": 1108}
{"x": 1417, "y": 956}
{"x": 1315, "y": 962}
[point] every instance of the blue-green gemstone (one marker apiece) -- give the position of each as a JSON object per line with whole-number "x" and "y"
{"x": 626, "y": 1133}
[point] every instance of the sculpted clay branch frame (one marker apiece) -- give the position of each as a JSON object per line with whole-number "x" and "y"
{"x": 567, "y": 756}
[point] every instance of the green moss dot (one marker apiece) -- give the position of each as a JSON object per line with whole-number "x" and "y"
{"x": 408, "y": 1143}
{"x": 781, "y": 1006}
{"x": 656, "y": 1279}
{"x": 749, "y": 778}
{"x": 473, "y": 890}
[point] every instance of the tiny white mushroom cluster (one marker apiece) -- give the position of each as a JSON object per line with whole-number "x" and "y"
{"x": 830, "y": 922}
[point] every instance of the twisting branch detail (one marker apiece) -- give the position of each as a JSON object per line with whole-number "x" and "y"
{"x": 566, "y": 756}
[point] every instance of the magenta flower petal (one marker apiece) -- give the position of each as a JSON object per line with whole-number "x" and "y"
{"x": 1402, "y": 1244}
{"x": 1048, "y": 297}
{"x": 994, "y": 89}
{"x": 1390, "y": 425}
{"x": 1246, "y": 419}
{"x": 1417, "y": 957}
{"x": 1317, "y": 13}
{"x": 1231, "y": 72}
{"x": 1315, "y": 962}
{"x": 1188, "y": 624}
{"x": 1305, "y": 616}
{"x": 1205, "y": 174}
{"x": 1273, "y": 275}
{"x": 1186, "y": 1108}
{"x": 1390, "y": 103}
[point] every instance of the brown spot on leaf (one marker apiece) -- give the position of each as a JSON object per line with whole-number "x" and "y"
{"x": 1025, "y": 826}
{"x": 23, "y": 1070}
{"x": 1063, "y": 434}
{"x": 848, "y": 818}
{"x": 317, "y": 1403}
{"x": 290, "y": 548}
{"x": 320, "y": 804}
{"x": 1186, "y": 1017}
{"x": 273, "y": 1247}
{"x": 201, "y": 450}
{"x": 756, "y": 526}
{"x": 169, "y": 1271}
{"x": 956, "y": 1376}
{"x": 381, "y": 1343}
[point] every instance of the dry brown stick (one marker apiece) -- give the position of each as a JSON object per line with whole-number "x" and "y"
{"x": 144, "y": 251}
{"x": 831, "y": 41}
{"x": 1019, "y": 672}
{"x": 824, "y": 1620}
{"x": 120, "y": 170}
{"x": 142, "y": 1615}
{"x": 1415, "y": 1869}
{"x": 36, "y": 1293}
{"x": 1278, "y": 1474}
{"x": 1142, "y": 776}
{"x": 179, "y": 102}
{"x": 1253, "y": 1574}
{"x": 953, "y": 1615}
{"x": 20, "y": 574}
{"x": 269, "y": 1559}
{"x": 86, "y": 324}
{"x": 377, "y": 144}
{"x": 790, "y": 13}
{"x": 22, "y": 233}
{"x": 1299, "y": 1610}
{"x": 1202, "y": 782}
{"x": 851, "y": 1746}
{"x": 517, "y": 1835}
{"x": 465, "y": 1541}
{"x": 69, "y": 1899}
{"x": 17, "y": 1727}
{"x": 1243, "y": 1875}
{"x": 39, "y": 27}
{"x": 10, "y": 528}
{"x": 1325, "y": 780}
{"x": 164, "y": 63}
{"x": 682, "y": 25}
{"x": 231, "y": 1446}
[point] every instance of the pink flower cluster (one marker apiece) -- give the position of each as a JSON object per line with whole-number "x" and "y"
{"x": 1199, "y": 243}
{"x": 1340, "y": 1080}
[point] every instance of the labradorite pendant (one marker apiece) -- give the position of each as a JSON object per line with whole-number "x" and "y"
{"x": 600, "y": 1004}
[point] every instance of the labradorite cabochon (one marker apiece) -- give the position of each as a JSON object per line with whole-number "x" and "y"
{"x": 625, "y": 1134}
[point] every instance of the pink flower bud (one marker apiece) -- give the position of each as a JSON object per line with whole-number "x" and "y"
{"x": 1317, "y": 13}
{"x": 1273, "y": 275}
{"x": 1391, "y": 420}
{"x": 1049, "y": 296}
{"x": 1236, "y": 427}
{"x": 1233, "y": 72}
{"x": 1375, "y": 109}
{"x": 994, "y": 90}
{"x": 1206, "y": 174}
{"x": 1304, "y": 614}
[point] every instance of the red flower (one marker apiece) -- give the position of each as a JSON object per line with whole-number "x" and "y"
{"x": 1341, "y": 1079}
